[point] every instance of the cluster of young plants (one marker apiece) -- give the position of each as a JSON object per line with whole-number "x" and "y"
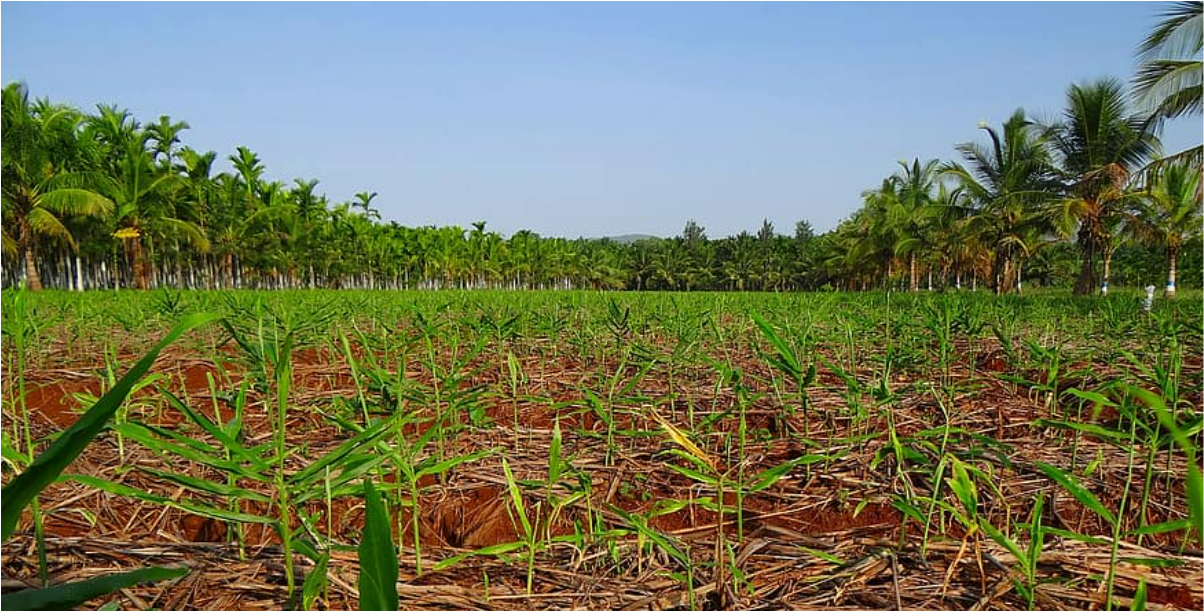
{"x": 726, "y": 404}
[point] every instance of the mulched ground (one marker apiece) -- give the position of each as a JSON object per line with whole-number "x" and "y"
{"x": 825, "y": 537}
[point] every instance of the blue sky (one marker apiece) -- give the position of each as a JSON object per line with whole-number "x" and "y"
{"x": 580, "y": 119}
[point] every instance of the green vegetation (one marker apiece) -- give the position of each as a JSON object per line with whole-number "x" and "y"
{"x": 692, "y": 449}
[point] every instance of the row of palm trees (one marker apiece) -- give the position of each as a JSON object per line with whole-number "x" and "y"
{"x": 103, "y": 201}
{"x": 1096, "y": 176}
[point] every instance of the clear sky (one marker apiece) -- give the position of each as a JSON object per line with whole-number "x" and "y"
{"x": 579, "y": 119}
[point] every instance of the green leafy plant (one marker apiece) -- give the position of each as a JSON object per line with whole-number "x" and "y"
{"x": 46, "y": 468}
{"x": 377, "y": 556}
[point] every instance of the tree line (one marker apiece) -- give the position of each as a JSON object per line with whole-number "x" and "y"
{"x": 1095, "y": 177}
{"x": 101, "y": 200}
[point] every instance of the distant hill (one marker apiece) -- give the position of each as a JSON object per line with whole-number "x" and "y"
{"x": 630, "y": 238}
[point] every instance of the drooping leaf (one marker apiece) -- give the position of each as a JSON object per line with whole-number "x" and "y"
{"x": 72, "y": 594}
{"x": 1081, "y": 493}
{"x": 516, "y": 498}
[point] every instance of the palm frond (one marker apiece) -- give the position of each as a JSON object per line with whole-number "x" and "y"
{"x": 44, "y": 223}
{"x": 1179, "y": 34}
{"x": 74, "y": 202}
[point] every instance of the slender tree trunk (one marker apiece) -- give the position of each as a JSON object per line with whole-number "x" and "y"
{"x": 79, "y": 273}
{"x": 140, "y": 280}
{"x": 33, "y": 281}
{"x": 1173, "y": 255}
{"x": 915, "y": 274}
{"x": 1107, "y": 270}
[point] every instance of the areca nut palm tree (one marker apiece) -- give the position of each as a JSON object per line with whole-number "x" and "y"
{"x": 39, "y": 189}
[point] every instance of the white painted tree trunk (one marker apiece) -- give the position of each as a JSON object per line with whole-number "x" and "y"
{"x": 1171, "y": 273}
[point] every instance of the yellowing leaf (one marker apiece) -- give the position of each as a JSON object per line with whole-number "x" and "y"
{"x": 682, "y": 440}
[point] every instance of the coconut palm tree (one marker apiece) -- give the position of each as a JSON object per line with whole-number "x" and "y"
{"x": 872, "y": 238}
{"x": 1007, "y": 183}
{"x": 112, "y": 128}
{"x": 910, "y": 211}
{"x": 45, "y": 177}
{"x": 1168, "y": 213}
{"x": 1100, "y": 145}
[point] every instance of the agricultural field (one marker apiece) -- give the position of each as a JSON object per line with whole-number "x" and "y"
{"x": 572, "y": 449}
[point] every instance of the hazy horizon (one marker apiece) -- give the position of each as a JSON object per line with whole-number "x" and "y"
{"x": 585, "y": 119}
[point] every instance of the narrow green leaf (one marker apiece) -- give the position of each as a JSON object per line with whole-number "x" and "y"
{"x": 361, "y": 440}
{"x": 554, "y": 464}
{"x": 1139, "y": 598}
{"x": 1002, "y": 539}
{"x": 963, "y": 486}
{"x": 1085, "y": 497}
{"x": 315, "y": 583}
{"x": 226, "y": 440}
{"x": 208, "y": 486}
{"x": 516, "y": 497}
{"x": 1166, "y": 527}
{"x": 445, "y": 465}
{"x": 186, "y": 505}
{"x": 786, "y": 360}
{"x": 1073, "y": 535}
{"x": 378, "y": 559}
{"x": 771, "y": 476}
{"x": 72, "y": 594}
{"x": 496, "y": 549}
{"x": 829, "y": 557}
{"x": 1151, "y": 561}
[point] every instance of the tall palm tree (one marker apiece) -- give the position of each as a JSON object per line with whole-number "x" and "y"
{"x": 741, "y": 260}
{"x": 146, "y": 209}
{"x": 1007, "y": 182}
{"x": 111, "y": 128}
{"x": 871, "y": 237}
{"x": 1168, "y": 213}
{"x": 166, "y": 135}
{"x": 41, "y": 184}
{"x": 363, "y": 201}
{"x": 1100, "y": 145}
{"x": 911, "y": 210}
